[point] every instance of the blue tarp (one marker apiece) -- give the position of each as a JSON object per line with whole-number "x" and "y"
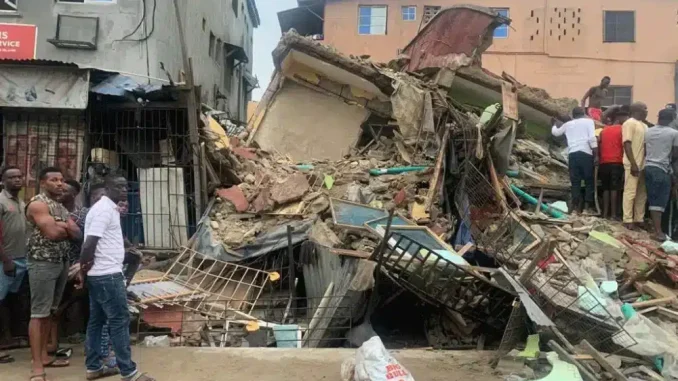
{"x": 120, "y": 85}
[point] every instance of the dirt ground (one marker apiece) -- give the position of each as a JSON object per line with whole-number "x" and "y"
{"x": 210, "y": 364}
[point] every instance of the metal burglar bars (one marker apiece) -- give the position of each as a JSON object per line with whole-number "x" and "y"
{"x": 273, "y": 322}
{"x": 445, "y": 284}
{"x": 33, "y": 141}
{"x": 195, "y": 281}
{"x": 553, "y": 285}
{"x": 151, "y": 147}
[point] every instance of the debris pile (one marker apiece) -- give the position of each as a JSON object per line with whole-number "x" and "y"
{"x": 438, "y": 209}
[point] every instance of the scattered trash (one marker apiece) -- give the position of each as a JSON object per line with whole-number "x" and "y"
{"x": 372, "y": 362}
{"x": 156, "y": 341}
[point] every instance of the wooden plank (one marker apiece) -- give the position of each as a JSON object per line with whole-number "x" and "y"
{"x": 501, "y": 199}
{"x": 657, "y": 290}
{"x": 192, "y": 105}
{"x": 668, "y": 313}
{"x": 601, "y": 360}
{"x": 433, "y": 185}
{"x": 653, "y": 302}
{"x": 565, "y": 356}
{"x": 543, "y": 251}
{"x": 351, "y": 253}
{"x": 507, "y": 188}
{"x": 638, "y": 275}
{"x": 648, "y": 310}
{"x": 509, "y": 100}
{"x": 654, "y": 375}
{"x": 464, "y": 249}
{"x": 537, "y": 210}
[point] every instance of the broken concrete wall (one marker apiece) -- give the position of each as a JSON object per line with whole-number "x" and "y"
{"x": 307, "y": 124}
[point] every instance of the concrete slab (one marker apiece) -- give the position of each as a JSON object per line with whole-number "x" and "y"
{"x": 267, "y": 364}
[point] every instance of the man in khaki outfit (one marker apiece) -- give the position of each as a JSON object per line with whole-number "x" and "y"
{"x": 635, "y": 194}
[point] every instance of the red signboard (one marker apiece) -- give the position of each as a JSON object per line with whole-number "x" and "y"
{"x": 18, "y": 41}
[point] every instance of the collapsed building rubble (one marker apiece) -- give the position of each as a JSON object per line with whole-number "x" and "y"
{"x": 423, "y": 197}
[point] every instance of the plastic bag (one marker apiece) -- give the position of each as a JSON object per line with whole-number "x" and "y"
{"x": 373, "y": 363}
{"x": 652, "y": 341}
{"x": 157, "y": 341}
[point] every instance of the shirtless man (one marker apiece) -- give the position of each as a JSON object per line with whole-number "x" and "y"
{"x": 596, "y": 95}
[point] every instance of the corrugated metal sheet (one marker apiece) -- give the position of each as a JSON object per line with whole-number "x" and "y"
{"x": 452, "y": 36}
{"x": 37, "y": 62}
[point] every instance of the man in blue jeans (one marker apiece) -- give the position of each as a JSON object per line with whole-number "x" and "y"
{"x": 103, "y": 253}
{"x": 13, "y": 236}
{"x": 661, "y": 156}
{"x": 582, "y": 149}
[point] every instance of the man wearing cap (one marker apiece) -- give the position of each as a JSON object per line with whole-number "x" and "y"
{"x": 661, "y": 155}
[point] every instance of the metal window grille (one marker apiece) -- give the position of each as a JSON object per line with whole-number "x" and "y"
{"x": 37, "y": 140}
{"x": 556, "y": 289}
{"x": 429, "y": 12}
{"x": 150, "y": 146}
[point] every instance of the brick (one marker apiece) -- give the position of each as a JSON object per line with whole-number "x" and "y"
{"x": 263, "y": 202}
{"x": 235, "y": 196}
{"x": 245, "y": 153}
{"x": 292, "y": 189}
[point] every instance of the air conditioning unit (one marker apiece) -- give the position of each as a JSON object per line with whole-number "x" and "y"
{"x": 76, "y": 32}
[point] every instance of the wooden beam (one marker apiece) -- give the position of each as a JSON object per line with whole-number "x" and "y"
{"x": 192, "y": 114}
{"x": 588, "y": 348}
{"x": 433, "y": 185}
{"x": 654, "y": 302}
{"x": 542, "y": 252}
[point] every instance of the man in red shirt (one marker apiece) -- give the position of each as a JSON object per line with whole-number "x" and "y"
{"x": 611, "y": 170}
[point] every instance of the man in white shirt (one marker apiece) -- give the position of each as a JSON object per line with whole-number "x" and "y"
{"x": 582, "y": 149}
{"x": 103, "y": 253}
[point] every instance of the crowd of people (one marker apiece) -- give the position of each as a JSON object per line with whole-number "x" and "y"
{"x": 70, "y": 253}
{"x": 627, "y": 154}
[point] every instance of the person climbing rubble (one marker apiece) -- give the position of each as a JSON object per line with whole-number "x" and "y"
{"x": 582, "y": 148}
{"x": 595, "y": 96}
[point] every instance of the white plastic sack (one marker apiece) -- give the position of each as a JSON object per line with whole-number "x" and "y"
{"x": 157, "y": 341}
{"x": 652, "y": 341}
{"x": 373, "y": 363}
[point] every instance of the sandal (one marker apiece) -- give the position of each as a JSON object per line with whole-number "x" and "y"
{"x": 63, "y": 353}
{"x": 39, "y": 377}
{"x": 57, "y": 363}
{"x": 103, "y": 373}
{"x": 6, "y": 359}
{"x": 139, "y": 377}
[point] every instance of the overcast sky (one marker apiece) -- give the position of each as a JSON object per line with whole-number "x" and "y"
{"x": 266, "y": 37}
